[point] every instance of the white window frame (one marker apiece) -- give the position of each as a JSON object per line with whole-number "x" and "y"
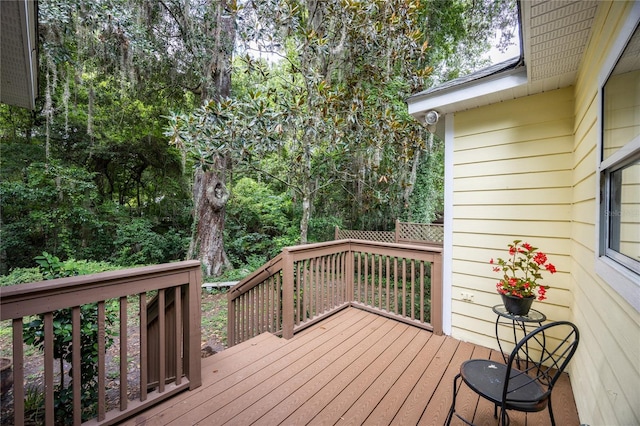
{"x": 622, "y": 279}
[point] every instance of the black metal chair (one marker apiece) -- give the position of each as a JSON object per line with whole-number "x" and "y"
{"x": 542, "y": 356}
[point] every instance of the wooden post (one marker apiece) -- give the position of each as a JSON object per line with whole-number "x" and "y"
{"x": 436, "y": 295}
{"x": 287, "y": 294}
{"x": 397, "y": 231}
{"x": 231, "y": 319}
{"x": 193, "y": 332}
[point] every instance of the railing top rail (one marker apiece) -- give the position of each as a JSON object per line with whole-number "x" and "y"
{"x": 43, "y": 296}
{"x": 259, "y": 275}
{"x": 315, "y": 246}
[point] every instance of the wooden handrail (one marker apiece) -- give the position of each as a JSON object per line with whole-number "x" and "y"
{"x": 19, "y": 302}
{"x": 307, "y": 282}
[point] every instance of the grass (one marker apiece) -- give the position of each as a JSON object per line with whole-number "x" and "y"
{"x": 214, "y": 315}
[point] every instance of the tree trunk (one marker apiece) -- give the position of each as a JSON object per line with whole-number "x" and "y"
{"x": 210, "y": 198}
{"x": 210, "y": 194}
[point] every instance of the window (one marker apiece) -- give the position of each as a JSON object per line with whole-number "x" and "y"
{"x": 620, "y": 160}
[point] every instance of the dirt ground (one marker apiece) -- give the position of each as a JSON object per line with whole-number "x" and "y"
{"x": 213, "y": 328}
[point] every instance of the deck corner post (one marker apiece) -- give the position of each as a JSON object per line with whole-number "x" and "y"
{"x": 231, "y": 319}
{"x": 287, "y": 294}
{"x": 194, "y": 328}
{"x": 436, "y": 295}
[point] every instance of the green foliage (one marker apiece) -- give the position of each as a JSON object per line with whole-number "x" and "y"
{"x": 50, "y": 209}
{"x": 51, "y": 267}
{"x": 427, "y": 198}
{"x": 20, "y": 276}
{"x": 139, "y": 244}
{"x": 259, "y": 223}
{"x": 324, "y": 122}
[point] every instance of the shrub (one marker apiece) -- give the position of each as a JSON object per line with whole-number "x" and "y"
{"x": 51, "y": 267}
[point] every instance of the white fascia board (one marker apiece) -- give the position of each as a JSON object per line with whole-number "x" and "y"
{"x": 30, "y": 37}
{"x": 453, "y": 99}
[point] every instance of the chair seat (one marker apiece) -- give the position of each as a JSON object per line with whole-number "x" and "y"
{"x": 487, "y": 377}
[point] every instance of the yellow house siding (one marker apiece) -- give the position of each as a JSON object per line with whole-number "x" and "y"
{"x": 605, "y": 371}
{"x": 511, "y": 179}
{"x": 527, "y": 169}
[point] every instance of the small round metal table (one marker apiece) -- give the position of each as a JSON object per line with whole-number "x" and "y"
{"x": 518, "y": 323}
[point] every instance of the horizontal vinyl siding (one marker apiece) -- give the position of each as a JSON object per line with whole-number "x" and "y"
{"x": 511, "y": 179}
{"x": 605, "y": 371}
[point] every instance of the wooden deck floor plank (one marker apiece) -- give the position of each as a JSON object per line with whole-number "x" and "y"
{"x": 354, "y": 362}
{"x": 415, "y": 403}
{"x": 249, "y": 362}
{"x": 467, "y": 401}
{"x": 240, "y": 359}
{"x": 230, "y": 400}
{"x": 361, "y": 410}
{"x": 314, "y": 395}
{"x": 393, "y": 401}
{"x": 339, "y": 404}
{"x": 564, "y": 408}
{"x": 438, "y": 406}
{"x": 263, "y": 397}
{"x": 209, "y": 375}
{"x": 297, "y": 389}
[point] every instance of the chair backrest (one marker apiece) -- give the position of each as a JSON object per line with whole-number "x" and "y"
{"x": 542, "y": 355}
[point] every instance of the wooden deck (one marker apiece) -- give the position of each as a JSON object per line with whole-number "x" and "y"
{"x": 352, "y": 368}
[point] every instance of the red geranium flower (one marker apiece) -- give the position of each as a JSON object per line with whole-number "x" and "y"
{"x": 522, "y": 271}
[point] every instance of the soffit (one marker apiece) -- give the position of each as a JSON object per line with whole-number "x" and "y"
{"x": 18, "y": 53}
{"x": 555, "y": 35}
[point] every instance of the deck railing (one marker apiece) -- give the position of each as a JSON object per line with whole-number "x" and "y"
{"x": 173, "y": 289}
{"x": 306, "y": 283}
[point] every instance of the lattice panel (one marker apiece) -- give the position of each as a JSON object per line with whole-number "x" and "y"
{"x": 383, "y": 236}
{"x": 421, "y": 232}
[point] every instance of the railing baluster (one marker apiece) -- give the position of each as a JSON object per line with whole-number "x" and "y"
{"x": 299, "y": 294}
{"x": 313, "y": 283}
{"x": 265, "y": 307}
{"x": 404, "y": 287}
{"x": 421, "y": 291}
{"x": 178, "y": 334}
{"x": 366, "y": 279}
{"x": 76, "y": 361}
{"x": 387, "y": 258}
{"x": 144, "y": 365}
{"x": 413, "y": 289}
{"x": 162, "y": 355}
{"x": 380, "y": 282}
{"x": 101, "y": 361}
{"x": 18, "y": 372}
{"x": 48, "y": 368}
{"x": 124, "y": 384}
{"x": 395, "y": 284}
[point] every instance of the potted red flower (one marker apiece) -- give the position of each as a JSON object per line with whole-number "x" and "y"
{"x": 521, "y": 276}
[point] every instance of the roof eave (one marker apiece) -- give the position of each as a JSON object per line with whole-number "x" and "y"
{"x": 468, "y": 95}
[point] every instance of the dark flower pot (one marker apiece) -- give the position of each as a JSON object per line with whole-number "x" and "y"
{"x": 517, "y": 305}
